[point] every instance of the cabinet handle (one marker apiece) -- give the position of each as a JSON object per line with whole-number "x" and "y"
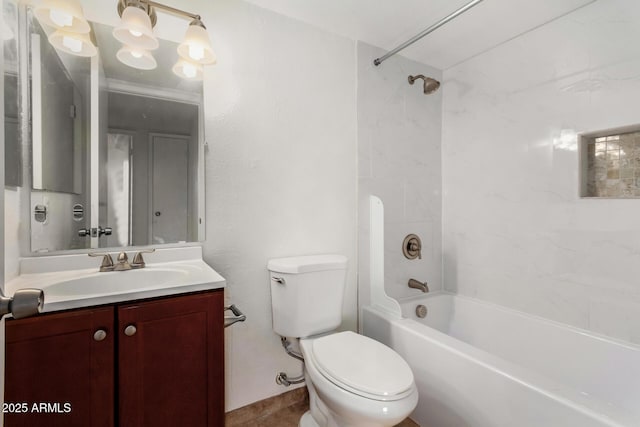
{"x": 100, "y": 335}
{"x": 130, "y": 330}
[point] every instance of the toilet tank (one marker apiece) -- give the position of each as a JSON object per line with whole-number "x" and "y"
{"x": 307, "y": 294}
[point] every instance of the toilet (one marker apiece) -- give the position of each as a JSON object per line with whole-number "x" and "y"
{"x": 353, "y": 380}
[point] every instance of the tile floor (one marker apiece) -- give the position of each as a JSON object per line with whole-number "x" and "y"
{"x": 289, "y": 417}
{"x": 283, "y": 410}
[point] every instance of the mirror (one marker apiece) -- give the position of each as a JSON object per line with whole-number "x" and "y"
{"x": 12, "y": 152}
{"x": 59, "y": 114}
{"x": 116, "y": 152}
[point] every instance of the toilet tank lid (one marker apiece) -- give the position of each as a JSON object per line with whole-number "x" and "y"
{"x": 307, "y": 264}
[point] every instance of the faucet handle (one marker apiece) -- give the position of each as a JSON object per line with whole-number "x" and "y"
{"x": 138, "y": 260}
{"x": 412, "y": 247}
{"x": 122, "y": 257}
{"x": 107, "y": 261}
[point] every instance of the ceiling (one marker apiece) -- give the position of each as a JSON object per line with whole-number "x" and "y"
{"x": 388, "y": 23}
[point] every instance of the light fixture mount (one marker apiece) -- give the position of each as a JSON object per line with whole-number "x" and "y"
{"x": 197, "y": 22}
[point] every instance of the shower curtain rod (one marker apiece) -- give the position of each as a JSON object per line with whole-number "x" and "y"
{"x": 429, "y": 30}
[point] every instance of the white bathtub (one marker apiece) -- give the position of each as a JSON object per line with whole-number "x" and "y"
{"x": 482, "y": 365}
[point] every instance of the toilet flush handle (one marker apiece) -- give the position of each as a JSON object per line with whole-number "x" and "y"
{"x": 278, "y": 280}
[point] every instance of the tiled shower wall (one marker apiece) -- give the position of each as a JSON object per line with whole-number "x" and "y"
{"x": 516, "y": 231}
{"x": 399, "y": 161}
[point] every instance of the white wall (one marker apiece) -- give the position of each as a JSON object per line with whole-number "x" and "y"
{"x": 280, "y": 110}
{"x": 515, "y": 230}
{"x": 399, "y": 160}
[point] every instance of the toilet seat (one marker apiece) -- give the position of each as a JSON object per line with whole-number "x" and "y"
{"x": 362, "y": 366}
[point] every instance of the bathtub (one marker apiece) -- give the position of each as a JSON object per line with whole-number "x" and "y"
{"x": 481, "y": 365}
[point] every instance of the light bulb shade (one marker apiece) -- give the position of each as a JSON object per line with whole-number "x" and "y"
{"x": 196, "y": 46}
{"x": 135, "y": 29}
{"x": 136, "y": 58}
{"x": 77, "y": 44}
{"x": 188, "y": 70}
{"x": 64, "y": 15}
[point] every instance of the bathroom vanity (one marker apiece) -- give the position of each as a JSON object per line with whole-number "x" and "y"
{"x": 133, "y": 354}
{"x": 144, "y": 363}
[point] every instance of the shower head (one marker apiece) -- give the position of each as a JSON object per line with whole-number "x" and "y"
{"x": 430, "y": 85}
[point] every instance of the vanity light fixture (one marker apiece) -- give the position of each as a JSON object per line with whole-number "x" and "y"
{"x": 196, "y": 45}
{"x": 72, "y": 34}
{"x": 188, "y": 70}
{"x": 64, "y": 15}
{"x": 136, "y": 33}
{"x": 138, "y": 17}
{"x": 136, "y": 58}
{"x": 73, "y": 43}
{"x": 135, "y": 29}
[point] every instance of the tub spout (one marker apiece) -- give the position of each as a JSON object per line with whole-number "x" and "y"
{"x": 413, "y": 283}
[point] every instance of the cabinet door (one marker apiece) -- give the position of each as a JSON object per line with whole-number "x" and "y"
{"x": 171, "y": 362}
{"x": 58, "y": 359}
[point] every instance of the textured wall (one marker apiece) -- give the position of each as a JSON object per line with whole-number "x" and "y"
{"x": 280, "y": 113}
{"x": 399, "y": 161}
{"x": 515, "y": 230}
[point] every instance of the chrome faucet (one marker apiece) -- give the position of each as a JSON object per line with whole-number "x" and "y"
{"x": 107, "y": 261}
{"x": 138, "y": 261}
{"x": 413, "y": 283}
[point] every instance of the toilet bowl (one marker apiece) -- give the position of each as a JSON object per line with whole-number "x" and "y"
{"x": 353, "y": 380}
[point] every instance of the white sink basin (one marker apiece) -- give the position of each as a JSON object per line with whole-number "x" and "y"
{"x": 66, "y": 289}
{"x": 119, "y": 282}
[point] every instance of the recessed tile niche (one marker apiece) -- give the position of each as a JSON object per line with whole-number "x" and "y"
{"x": 610, "y": 164}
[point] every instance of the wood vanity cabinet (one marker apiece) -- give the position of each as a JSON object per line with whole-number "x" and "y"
{"x": 159, "y": 363}
{"x": 171, "y": 362}
{"x": 54, "y": 359}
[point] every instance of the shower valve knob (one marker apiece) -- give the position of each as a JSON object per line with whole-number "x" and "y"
{"x": 412, "y": 247}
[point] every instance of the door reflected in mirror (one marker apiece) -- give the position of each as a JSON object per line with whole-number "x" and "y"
{"x": 151, "y": 167}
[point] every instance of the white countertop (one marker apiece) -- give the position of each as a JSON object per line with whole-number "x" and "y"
{"x": 85, "y": 287}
